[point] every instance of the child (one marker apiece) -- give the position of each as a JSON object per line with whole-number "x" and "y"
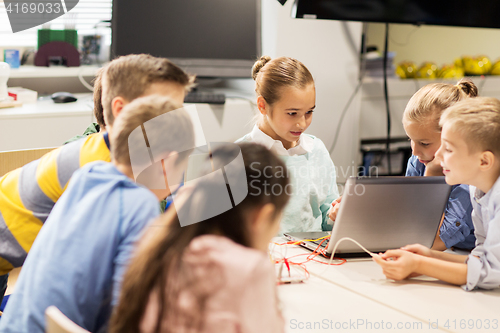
{"x": 286, "y": 98}
{"x": 100, "y": 125}
{"x": 77, "y": 261}
{"x": 421, "y": 124}
{"x": 469, "y": 154}
{"x": 28, "y": 194}
{"x": 215, "y": 275}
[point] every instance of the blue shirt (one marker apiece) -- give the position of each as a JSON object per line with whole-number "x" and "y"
{"x": 483, "y": 264}
{"x": 457, "y": 229}
{"x": 79, "y": 257}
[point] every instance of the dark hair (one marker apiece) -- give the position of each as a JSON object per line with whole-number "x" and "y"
{"x": 98, "y": 109}
{"x": 272, "y": 75}
{"x": 158, "y": 267}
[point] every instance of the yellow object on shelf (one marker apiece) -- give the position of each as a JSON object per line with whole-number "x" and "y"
{"x": 480, "y": 65}
{"x": 428, "y": 70}
{"x": 495, "y": 69}
{"x": 450, "y": 72}
{"x": 406, "y": 70}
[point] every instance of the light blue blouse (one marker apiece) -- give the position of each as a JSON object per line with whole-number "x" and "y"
{"x": 483, "y": 264}
{"x": 313, "y": 181}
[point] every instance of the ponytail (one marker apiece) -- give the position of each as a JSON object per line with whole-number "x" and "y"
{"x": 468, "y": 87}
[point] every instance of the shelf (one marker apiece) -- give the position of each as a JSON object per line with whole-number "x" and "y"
{"x": 54, "y": 71}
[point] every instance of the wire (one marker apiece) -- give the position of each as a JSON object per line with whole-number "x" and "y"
{"x": 311, "y": 256}
{"x": 349, "y": 239}
{"x": 304, "y": 240}
{"x": 85, "y": 84}
{"x": 386, "y": 97}
{"x": 243, "y": 98}
{"x": 344, "y": 112}
{"x": 407, "y": 37}
{"x": 357, "y": 292}
{"x": 354, "y": 93}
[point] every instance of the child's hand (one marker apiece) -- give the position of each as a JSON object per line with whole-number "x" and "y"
{"x": 418, "y": 249}
{"x": 433, "y": 168}
{"x": 332, "y": 213}
{"x": 397, "y": 264}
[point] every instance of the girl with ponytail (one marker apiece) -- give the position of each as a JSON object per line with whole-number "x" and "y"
{"x": 286, "y": 99}
{"x": 421, "y": 124}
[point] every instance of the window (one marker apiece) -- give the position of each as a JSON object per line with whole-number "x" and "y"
{"x": 85, "y": 18}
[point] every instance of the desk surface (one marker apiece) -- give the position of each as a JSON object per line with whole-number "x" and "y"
{"x": 47, "y": 108}
{"x": 46, "y": 124}
{"x": 357, "y": 292}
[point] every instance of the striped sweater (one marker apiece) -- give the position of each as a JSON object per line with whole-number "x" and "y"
{"x": 28, "y": 194}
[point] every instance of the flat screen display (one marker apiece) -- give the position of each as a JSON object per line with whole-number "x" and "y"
{"x": 217, "y": 34}
{"x": 464, "y": 13}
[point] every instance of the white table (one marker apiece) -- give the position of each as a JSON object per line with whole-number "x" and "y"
{"x": 358, "y": 292}
{"x": 46, "y": 124}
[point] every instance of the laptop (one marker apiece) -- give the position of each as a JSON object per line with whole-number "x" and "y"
{"x": 383, "y": 213}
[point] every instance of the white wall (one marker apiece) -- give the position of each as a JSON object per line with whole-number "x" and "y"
{"x": 323, "y": 46}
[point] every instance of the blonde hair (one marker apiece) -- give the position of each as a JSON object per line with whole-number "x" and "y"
{"x": 478, "y": 122}
{"x": 178, "y": 131}
{"x": 429, "y": 102}
{"x": 271, "y": 76}
{"x": 129, "y": 76}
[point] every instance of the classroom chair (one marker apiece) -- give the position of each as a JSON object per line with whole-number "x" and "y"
{"x": 57, "y": 322}
{"x": 10, "y": 160}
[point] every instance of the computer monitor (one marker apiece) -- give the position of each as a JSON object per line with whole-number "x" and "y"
{"x": 443, "y": 12}
{"x": 216, "y": 38}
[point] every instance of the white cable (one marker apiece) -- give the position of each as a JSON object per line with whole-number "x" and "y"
{"x": 363, "y": 294}
{"x": 85, "y": 84}
{"x": 352, "y": 240}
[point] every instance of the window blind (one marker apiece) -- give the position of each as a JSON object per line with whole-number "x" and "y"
{"x": 85, "y": 18}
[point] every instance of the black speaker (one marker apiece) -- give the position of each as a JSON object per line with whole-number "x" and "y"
{"x": 282, "y": 2}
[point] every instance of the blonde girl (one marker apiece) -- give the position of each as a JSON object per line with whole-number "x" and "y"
{"x": 421, "y": 124}
{"x": 286, "y": 99}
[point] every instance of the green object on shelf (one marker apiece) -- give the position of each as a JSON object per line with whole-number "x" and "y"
{"x": 47, "y": 35}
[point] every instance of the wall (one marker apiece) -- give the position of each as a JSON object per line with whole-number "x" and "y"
{"x": 331, "y": 55}
{"x": 330, "y": 50}
{"x": 435, "y": 43}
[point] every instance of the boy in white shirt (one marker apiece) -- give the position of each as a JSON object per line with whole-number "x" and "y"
{"x": 469, "y": 154}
